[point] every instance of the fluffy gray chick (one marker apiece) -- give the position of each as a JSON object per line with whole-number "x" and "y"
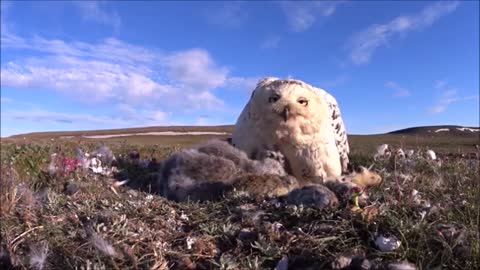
{"x": 208, "y": 170}
{"x": 266, "y": 161}
{"x": 184, "y": 172}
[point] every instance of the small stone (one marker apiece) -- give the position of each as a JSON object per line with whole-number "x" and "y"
{"x": 42, "y": 194}
{"x": 341, "y": 262}
{"x": 313, "y": 195}
{"x": 190, "y": 242}
{"x": 253, "y": 216}
{"x": 247, "y": 235}
{"x": 132, "y": 192}
{"x": 387, "y": 244}
{"x": 282, "y": 264}
{"x": 250, "y": 213}
{"x": 71, "y": 188}
{"x": 401, "y": 266}
{"x": 183, "y": 216}
{"x": 360, "y": 263}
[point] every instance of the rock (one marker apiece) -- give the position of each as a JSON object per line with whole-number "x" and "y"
{"x": 401, "y": 266}
{"x": 190, "y": 241}
{"x": 71, "y": 188}
{"x": 351, "y": 260}
{"x": 250, "y": 213}
{"x": 282, "y": 264}
{"x": 431, "y": 155}
{"x": 247, "y": 236}
{"x": 132, "y": 192}
{"x": 387, "y": 244}
{"x": 360, "y": 263}
{"x": 341, "y": 262}
{"x": 313, "y": 195}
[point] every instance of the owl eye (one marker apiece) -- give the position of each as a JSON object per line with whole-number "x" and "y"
{"x": 303, "y": 101}
{"x": 273, "y": 99}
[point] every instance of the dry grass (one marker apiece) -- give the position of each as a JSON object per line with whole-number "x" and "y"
{"x": 45, "y": 224}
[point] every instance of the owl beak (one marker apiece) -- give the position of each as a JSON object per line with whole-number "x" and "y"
{"x": 285, "y": 113}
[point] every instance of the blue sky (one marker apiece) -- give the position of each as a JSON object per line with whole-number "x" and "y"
{"x": 96, "y": 65}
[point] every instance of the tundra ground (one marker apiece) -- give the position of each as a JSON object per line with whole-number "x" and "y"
{"x": 83, "y": 221}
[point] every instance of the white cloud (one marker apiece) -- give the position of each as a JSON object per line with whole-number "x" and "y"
{"x": 109, "y": 49}
{"x": 444, "y": 102}
{"x": 363, "y": 44}
{"x": 448, "y": 96}
{"x": 94, "y": 12}
{"x": 119, "y": 120}
{"x": 45, "y": 116}
{"x": 398, "y": 90}
{"x": 4, "y": 6}
{"x": 86, "y": 80}
{"x": 301, "y": 15}
{"x": 128, "y": 85}
{"x": 229, "y": 15}
{"x": 439, "y": 84}
{"x": 270, "y": 42}
{"x": 207, "y": 120}
{"x": 5, "y": 100}
{"x": 203, "y": 121}
{"x": 196, "y": 69}
{"x": 146, "y": 117}
{"x": 115, "y": 71}
{"x": 5, "y": 26}
{"x": 337, "y": 81}
{"x": 242, "y": 83}
{"x": 437, "y": 108}
{"x": 204, "y": 99}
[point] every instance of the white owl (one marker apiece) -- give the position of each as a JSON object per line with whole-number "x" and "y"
{"x": 301, "y": 121}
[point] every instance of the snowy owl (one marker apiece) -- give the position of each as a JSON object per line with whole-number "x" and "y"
{"x": 300, "y": 121}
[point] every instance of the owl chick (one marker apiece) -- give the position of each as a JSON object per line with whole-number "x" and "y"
{"x": 355, "y": 182}
{"x": 208, "y": 170}
{"x": 302, "y": 121}
{"x": 362, "y": 177}
{"x": 265, "y": 185}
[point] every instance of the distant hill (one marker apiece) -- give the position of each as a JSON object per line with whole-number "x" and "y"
{"x": 155, "y": 130}
{"x": 226, "y": 130}
{"x": 441, "y": 139}
{"x": 445, "y": 130}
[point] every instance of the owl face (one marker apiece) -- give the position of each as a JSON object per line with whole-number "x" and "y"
{"x": 285, "y": 102}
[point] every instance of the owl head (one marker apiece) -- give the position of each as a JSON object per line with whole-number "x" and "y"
{"x": 287, "y": 103}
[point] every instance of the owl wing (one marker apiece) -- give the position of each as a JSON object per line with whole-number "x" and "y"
{"x": 339, "y": 130}
{"x": 243, "y": 136}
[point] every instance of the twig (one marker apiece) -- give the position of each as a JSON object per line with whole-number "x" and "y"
{"x": 114, "y": 191}
{"x": 395, "y": 177}
{"x": 22, "y": 235}
{"x": 26, "y": 232}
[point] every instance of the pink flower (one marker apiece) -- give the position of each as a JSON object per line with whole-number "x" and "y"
{"x": 69, "y": 164}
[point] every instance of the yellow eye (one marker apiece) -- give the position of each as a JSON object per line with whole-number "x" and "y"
{"x": 303, "y": 101}
{"x": 273, "y": 99}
